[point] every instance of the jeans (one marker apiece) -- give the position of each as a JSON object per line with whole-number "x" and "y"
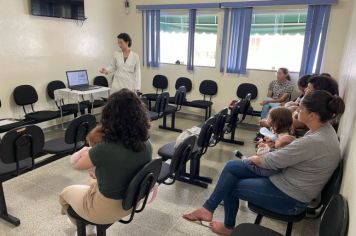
{"x": 259, "y": 170}
{"x": 267, "y": 107}
{"x": 237, "y": 182}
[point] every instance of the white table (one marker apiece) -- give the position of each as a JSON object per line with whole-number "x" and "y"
{"x": 77, "y": 96}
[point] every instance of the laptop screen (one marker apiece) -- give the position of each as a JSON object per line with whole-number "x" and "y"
{"x": 77, "y": 78}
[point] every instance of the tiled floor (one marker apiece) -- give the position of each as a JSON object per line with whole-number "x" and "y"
{"x": 33, "y": 197}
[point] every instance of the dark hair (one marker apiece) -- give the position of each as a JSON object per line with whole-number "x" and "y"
{"x": 281, "y": 119}
{"x": 126, "y": 38}
{"x": 323, "y": 103}
{"x": 326, "y": 74}
{"x": 322, "y": 82}
{"x": 285, "y": 72}
{"x": 303, "y": 81}
{"x": 125, "y": 120}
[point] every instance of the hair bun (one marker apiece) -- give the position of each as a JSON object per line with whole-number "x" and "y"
{"x": 336, "y": 105}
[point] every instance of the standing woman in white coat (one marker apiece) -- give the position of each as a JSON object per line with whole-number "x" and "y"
{"x": 125, "y": 65}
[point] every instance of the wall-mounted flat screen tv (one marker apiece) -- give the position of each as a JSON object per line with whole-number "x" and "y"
{"x": 68, "y": 9}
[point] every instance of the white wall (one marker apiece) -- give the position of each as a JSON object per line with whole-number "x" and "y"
{"x": 35, "y": 50}
{"x": 347, "y": 130}
{"x": 228, "y": 83}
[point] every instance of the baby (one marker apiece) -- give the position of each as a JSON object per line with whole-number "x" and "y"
{"x": 280, "y": 120}
{"x": 94, "y": 137}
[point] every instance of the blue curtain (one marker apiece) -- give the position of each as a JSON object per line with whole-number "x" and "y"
{"x": 191, "y": 33}
{"x": 314, "y": 41}
{"x": 224, "y": 40}
{"x": 152, "y": 38}
{"x": 239, "y": 38}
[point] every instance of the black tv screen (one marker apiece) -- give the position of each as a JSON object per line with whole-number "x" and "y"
{"x": 69, "y": 9}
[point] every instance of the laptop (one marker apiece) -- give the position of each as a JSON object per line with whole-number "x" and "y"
{"x": 78, "y": 80}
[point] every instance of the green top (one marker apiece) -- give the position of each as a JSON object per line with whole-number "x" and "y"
{"x": 116, "y": 165}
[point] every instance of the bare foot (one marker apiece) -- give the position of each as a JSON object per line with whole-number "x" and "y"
{"x": 200, "y": 214}
{"x": 219, "y": 228}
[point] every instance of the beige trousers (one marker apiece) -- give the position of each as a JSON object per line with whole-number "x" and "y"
{"x": 91, "y": 205}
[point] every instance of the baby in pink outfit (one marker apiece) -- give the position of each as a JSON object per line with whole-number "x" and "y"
{"x": 94, "y": 137}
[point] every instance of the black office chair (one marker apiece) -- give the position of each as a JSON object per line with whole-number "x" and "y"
{"x": 242, "y": 91}
{"x": 74, "y": 138}
{"x": 139, "y": 189}
{"x": 241, "y": 107}
{"x": 160, "y": 106}
{"x": 182, "y": 81}
{"x": 334, "y": 222}
{"x": 179, "y": 98}
{"x": 203, "y": 143}
{"x": 101, "y": 81}
{"x": 208, "y": 88}
{"x": 18, "y": 149}
{"x": 26, "y": 95}
{"x": 331, "y": 188}
{"x": 160, "y": 82}
{"x": 218, "y": 127}
{"x": 180, "y": 157}
{"x": 71, "y": 108}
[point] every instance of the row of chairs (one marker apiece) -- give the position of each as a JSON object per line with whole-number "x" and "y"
{"x": 208, "y": 88}
{"x": 26, "y": 95}
{"x": 21, "y": 146}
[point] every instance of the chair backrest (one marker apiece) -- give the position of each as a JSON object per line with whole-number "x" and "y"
{"x": 244, "y": 105}
{"x": 101, "y": 81}
{"x": 160, "y": 82}
{"x": 184, "y": 81}
{"x": 21, "y": 143}
{"x": 335, "y": 219}
{"x": 161, "y": 102}
{"x": 208, "y": 87}
{"x": 218, "y": 128}
{"x": 245, "y": 88}
{"x": 182, "y": 154}
{"x": 179, "y": 97}
{"x": 140, "y": 187}
{"x": 79, "y": 128}
{"x": 25, "y": 95}
{"x": 54, "y": 85}
{"x": 205, "y": 134}
{"x": 332, "y": 187}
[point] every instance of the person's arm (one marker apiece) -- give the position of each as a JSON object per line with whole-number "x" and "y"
{"x": 137, "y": 74}
{"x": 84, "y": 162}
{"x": 283, "y": 141}
{"x": 296, "y": 152}
{"x": 112, "y": 67}
{"x": 283, "y": 98}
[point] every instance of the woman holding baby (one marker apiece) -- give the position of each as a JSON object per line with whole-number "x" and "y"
{"x": 120, "y": 148}
{"x": 303, "y": 168}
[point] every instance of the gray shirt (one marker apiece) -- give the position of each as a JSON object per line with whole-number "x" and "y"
{"x": 279, "y": 89}
{"x": 307, "y": 163}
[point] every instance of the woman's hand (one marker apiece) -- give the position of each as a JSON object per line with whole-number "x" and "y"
{"x": 264, "y": 102}
{"x": 256, "y": 160}
{"x": 104, "y": 71}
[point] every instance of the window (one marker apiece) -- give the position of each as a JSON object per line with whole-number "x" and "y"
{"x": 277, "y": 40}
{"x": 174, "y": 29}
{"x": 173, "y": 38}
{"x": 205, "y": 39}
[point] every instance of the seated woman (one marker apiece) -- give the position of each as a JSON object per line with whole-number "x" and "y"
{"x": 124, "y": 150}
{"x": 293, "y": 105}
{"x": 306, "y": 165}
{"x": 317, "y": 82}
{"x": 279, "y": 91}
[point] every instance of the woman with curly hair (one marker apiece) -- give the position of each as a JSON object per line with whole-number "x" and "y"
{"x": 124, "y": 150}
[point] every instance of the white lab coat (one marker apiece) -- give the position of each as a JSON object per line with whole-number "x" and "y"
{"x": 126, "y": 74}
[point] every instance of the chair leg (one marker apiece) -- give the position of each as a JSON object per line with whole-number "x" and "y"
{"x": 258, "y": 219}
{"x": 81, "y": 228}
{"x": 289, "y": 229}
{"x": 100, "y": 231}
{"x": 173, "y": 121}
{"x": 232, "y": 138}
{"x": 3, "y": 210}
{"x": 194, "y": 177}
